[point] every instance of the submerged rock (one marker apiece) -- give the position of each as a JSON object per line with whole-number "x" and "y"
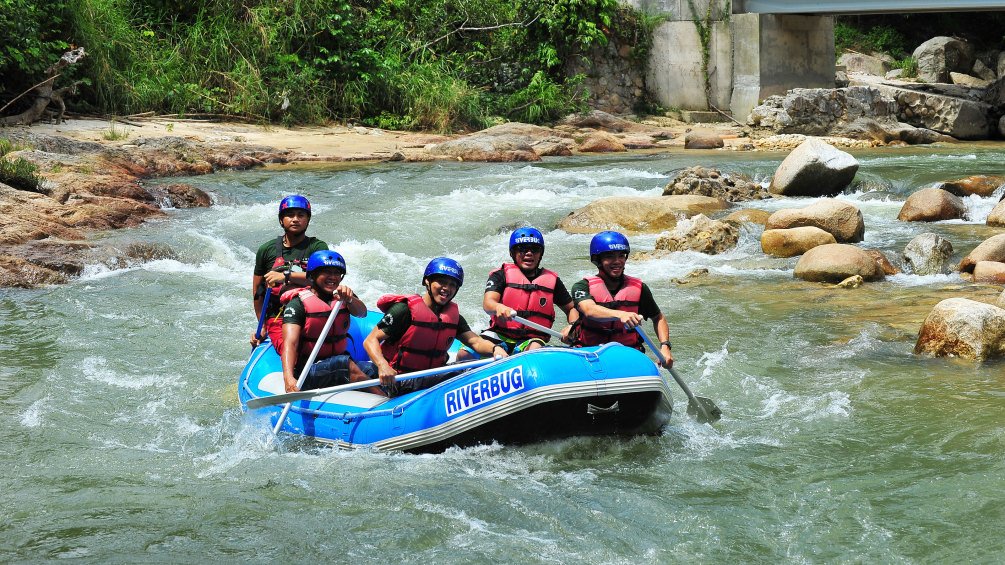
{"x": 637, "y": 214}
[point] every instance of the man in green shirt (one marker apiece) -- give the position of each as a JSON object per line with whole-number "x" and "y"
{"x": 281, "y": 264}
{"x": 416, "y": 331}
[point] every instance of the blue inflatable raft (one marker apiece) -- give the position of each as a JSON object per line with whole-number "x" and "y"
{"x": 552, "y": 392}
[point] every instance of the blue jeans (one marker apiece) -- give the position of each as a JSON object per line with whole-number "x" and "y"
{"x": 334, "y": 371}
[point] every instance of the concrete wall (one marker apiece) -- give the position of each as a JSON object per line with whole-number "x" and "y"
{"x": 773, "y": 54}
{"x": 674, "y": 76}
{"x": 752, "y": 56}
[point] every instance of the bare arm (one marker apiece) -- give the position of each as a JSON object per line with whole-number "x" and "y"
{"x": 350, "y": 302}
{"x": 481, "y": 345}
{"x": 291, "y": 345}
{"x": 594, "y": 311}
{"x": 663, "y": 334}
{"x": 372, "y": 346}
{"x": 493, "y": 307}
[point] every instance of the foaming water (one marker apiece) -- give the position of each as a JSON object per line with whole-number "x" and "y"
{"x": 125, "y": 440}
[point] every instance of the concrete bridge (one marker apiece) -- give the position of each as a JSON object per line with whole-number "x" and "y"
{"x": 757, "y": 48}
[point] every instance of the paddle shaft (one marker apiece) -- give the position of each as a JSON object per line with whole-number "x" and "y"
{"x": 690, "y": 395}
{"x": 306, "y": 394}
{"x": 537, "y": 327}
{"x": 310, "y": 361}
{"x": 261, "y": 315}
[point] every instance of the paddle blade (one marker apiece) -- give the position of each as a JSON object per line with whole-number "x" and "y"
{"x": 707, "y": 407}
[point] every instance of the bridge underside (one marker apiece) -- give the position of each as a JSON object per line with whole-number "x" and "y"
{"x": 837, "y": 7}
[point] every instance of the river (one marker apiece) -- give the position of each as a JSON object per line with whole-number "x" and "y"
{"x": 123, "y": 440}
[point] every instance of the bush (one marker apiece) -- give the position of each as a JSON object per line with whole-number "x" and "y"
{"x": 18, "y": 173}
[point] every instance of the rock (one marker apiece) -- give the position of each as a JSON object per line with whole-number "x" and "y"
{"x": 818, "y": 111}
{"x": 853, "y": 281}
{"x": 815, "y": 168}
{"x": 939, "y": 56}
{"x": 877, "y": 64}
{"x": 964, "y": 79}
{"x": 882, "y": 262}
{"x": 948, "y": 109}
{"x": 842, "y": 220}
{"x": 601, "y": 142}
{"x": 991, "y": 249}
{"x": 894, "y": 74}
{"x": 982, "y": 71}
{"x": 794, "y": 241}
{"x": 997, "y": 216}
{"x": 748, "y": 215}
{"x": 1000, "y": 68}
{"x": 710, "y": 182}
{"x": 1001, "y": 126}
{"x": 928, "y": 254}
{"x": 1001, "y": 300}
{"x": 491, "y": 148}
{"x": 637, "y": 214}
{"x": 701, "y": 234}
{"x": 932, "y": 205}
{"x": 836, "y": 262}
{"x": 15, "y": 272}
{"x": 552, "y": 147}
{"x": 182, "y": 195}
{"x": 989, "y": 272}
{"x": 703, "y": 140}
{"x": 981, "y": 185}
{"x": 960, "y": 327}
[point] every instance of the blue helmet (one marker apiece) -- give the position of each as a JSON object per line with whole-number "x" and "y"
{"x": 325, "y": 258}
{"x": 292, "y": 202}
{"x": 447, "y": 267}
{"x": 526, "y": 236}
{"x": 608, "y": 241}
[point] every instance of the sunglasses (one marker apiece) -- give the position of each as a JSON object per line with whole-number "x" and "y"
{"x": 521, "y": 249}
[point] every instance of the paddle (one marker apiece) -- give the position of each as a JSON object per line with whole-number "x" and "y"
{"x": 306, "y": 394}
{"x": 700, "y": 408}
{"x": 310, "y": 361}
{"x": 261, "y": 315}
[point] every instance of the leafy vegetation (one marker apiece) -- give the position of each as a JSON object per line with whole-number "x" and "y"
{"x": 878, "y": 39}
{"x": 431, "y": 64}
{"x": 18, "y": 173}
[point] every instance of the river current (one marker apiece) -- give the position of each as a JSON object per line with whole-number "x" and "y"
{"x": 123, "y": 440}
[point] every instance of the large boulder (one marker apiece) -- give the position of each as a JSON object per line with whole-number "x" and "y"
{"x": 996, "y": 218}
{"x": 991, "y": 249}
{"x": 932, "y": 205}
{"x": 989, "y": 272}
{"x": 960, "y": 327}
{"x": 940, "y": 56}
{"x": 815, "y": 168}
{"x": 836, "y": 262}
{"x": 981, "y": 185}
{"x": 794, "y": 241}
{"x": 928, "y": 254}
{"x": 877, "y": 64}
{"x": 701, "y": 234}
{"x": 601, "y": 142}
{"x": 818, "y": 111}
{"x": 637, "y": 214}
{"x": 702, "y": 181}
{"x": 841, "y": 219}
{"x": 953, "y": 110}
{"x": 488, "y": 146}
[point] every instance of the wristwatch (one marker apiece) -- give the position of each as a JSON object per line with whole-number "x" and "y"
{"x": 668, "y": 344}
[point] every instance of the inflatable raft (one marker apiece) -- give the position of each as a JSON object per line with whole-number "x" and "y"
{"x": 548, "y": 393}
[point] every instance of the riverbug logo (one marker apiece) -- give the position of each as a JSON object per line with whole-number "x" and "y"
{"x": 484, "y": 390}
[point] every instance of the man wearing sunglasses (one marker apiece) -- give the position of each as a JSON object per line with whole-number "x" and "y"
{"x": 525, "y": 289}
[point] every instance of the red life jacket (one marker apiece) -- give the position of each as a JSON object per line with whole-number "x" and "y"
{"x": 425, "y": 343}
{"x": 279, "y": 262}
{"x": 534, "y": 300}
{"x": 627, "y": 300}
{"x": 317, "y": 315}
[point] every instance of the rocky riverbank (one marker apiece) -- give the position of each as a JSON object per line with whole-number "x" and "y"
{"x": 94, "y": 170}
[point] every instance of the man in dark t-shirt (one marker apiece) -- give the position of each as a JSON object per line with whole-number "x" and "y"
{"x": 613, "y": 304}
{"x": 280, "y": 263}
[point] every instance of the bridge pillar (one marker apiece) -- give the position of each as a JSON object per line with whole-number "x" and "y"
{"x": 775, "y": 53}
{"x": 751, "y": 56}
